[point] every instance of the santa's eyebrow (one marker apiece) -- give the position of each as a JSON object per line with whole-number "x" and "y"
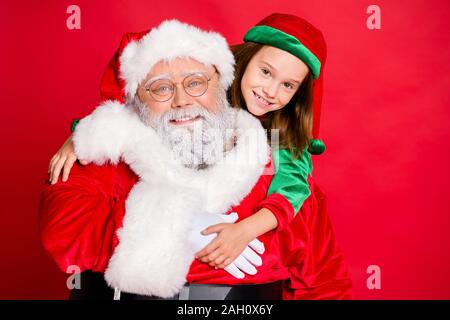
{"x": 189, "y": 73}
{"x": 168, "y": 76}
{"x": 164, "y": 76}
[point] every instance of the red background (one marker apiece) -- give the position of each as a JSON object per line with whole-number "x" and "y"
{"x": 385, "y": 123}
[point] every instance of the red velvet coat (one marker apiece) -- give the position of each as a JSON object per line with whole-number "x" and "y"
{"x": 79, "y": 220}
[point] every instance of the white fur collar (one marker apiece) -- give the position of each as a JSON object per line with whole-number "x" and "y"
{"x": 153, "y": 255}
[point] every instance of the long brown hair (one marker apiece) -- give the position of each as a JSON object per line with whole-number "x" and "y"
{"x": 294, "y": 120}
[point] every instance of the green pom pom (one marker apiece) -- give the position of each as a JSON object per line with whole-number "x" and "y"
{"x": 316, "y": 147}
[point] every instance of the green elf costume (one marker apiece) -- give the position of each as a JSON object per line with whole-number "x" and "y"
{"x": 298, "y": 37}
{"x": 307, "y": 237}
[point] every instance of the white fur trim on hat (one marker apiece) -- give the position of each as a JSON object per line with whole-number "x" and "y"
{"x": 173, "y": 39}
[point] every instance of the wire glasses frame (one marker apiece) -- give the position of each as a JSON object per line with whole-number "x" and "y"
{"x": 194, "y": 85}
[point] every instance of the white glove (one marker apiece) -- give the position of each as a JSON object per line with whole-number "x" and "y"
{"x": 245, "y": 262}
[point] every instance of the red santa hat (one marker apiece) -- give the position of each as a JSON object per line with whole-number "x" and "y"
{"x": 174, "y": 39}
{"x": 300, "y": 38}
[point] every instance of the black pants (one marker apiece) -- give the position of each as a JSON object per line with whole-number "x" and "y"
{"x": 94, "y": 287}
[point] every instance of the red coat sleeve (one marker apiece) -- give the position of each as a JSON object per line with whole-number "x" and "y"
{"x": 78, "y": 219}
{"x": 281, "y": 209}
{"x": 316, "y": 264}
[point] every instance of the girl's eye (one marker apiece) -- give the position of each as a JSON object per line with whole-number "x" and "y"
{"x": 265, "y": 71}
{"x": 288, "y": 85}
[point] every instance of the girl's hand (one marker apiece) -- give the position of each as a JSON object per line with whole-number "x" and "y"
{"x": 230, "y": 242}
{"x": 63, "y": 159}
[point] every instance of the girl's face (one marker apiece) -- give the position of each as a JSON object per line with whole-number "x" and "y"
{"x": 271, "y": 79}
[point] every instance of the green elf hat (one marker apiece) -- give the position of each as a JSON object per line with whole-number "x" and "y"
{"x": 300, "y": 38}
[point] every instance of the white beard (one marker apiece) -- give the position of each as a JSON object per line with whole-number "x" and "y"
{"x": 153, "y": 255}
{"x": 199, "y": 144}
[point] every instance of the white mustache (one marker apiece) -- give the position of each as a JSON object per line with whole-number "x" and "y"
{"x": 189, "y": 112}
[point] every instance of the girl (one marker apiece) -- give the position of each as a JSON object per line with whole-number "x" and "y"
{"x": 278, "y": 79}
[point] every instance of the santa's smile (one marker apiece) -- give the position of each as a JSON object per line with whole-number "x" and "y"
{"x": 185, "y": 120}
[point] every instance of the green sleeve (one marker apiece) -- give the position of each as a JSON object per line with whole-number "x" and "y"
{"x": 74, "y": 124}
{"x": 291, "y": 176}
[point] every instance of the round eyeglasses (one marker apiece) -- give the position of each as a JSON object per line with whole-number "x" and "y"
{"x": 194, "y": 85}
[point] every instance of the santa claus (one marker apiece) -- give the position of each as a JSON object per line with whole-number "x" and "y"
{"x": 170, "y": 161}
